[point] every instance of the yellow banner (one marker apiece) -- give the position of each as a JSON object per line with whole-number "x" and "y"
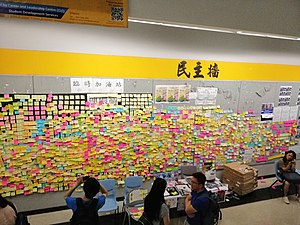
{"x": 97, "y": 12}
{"x": 24, "y": 62}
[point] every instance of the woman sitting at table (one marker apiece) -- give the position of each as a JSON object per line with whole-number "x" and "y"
{"x": 287, "y": 167}
{"x": 155, "y": 208}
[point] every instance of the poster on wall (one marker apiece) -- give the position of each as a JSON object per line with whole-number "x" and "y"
{"x": 206, "y": 96}
{"x": 266, "y": 112}
{"x": 285, "y": 93}
{"x": 172, "y": 93}
{"x": 277, "y": 114}
{"x": 96, "y": 85}
{"x": 94, "y": 12}
{"x": 298, "y": 99}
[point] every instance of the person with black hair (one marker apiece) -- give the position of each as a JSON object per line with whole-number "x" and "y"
{"x": 287, "y": 168}
{"x": 197, "y": 202}
{"x": 7, "y": 213}
{"x": 155, "y": 208}
{"x": 85, "y": 209}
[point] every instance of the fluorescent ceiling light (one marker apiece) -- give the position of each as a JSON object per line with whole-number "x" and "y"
{"x": 213, "y": 29}
{"x": 284, "y": 37}
{"x": 181, "y": 25}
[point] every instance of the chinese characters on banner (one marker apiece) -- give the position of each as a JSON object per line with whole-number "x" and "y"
{"x": 199, "y": 71}
{"x": 285, "y": 93}
{"x": 172, "y": 93}
{"x": 96, "y": 85}
{"x": 206, "y": 96}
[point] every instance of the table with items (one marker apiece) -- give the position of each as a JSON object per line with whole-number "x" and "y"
{"x": 176, "y": 192}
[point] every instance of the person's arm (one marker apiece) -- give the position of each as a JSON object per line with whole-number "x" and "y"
{"x": 72, "y": 189}
{"x": 189, "y": 209}
{"x": 103, "y": 190}
{"x": 166, "y": 220}
{"x": 165, "y": 214}
{"x": 293, "y": 165}
{"x": 283, "y": 167}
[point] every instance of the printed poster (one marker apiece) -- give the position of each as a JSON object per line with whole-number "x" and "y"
{"x": 266, "y": 112}
{"x": 95, "y": 12}
{"x": 285, "y": 93}
{"x": 298, "y": 99}
{"x": 172, "y": 93}
{"x": 161, "y": 93}
{"x": 206, "y": 96}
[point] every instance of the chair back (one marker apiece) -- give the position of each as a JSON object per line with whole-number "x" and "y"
{"x": 110, "y": 186}
{"x": 131, "y": 183}
{"x": 277, "y": 171}
{"x": 144, "y": 220}
{"x": 136, "y": 197}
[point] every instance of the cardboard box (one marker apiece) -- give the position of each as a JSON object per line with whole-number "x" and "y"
{"x": 240, "y": 178}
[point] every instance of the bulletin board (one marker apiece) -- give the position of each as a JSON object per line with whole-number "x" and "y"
{"x": 46, "y": 140}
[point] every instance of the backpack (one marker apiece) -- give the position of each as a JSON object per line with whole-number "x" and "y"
{"x": 214, "y": 214}
{"x": 85, "y": 214}
{"x": 21, "y": 217}
{"x": 144, "y": 220}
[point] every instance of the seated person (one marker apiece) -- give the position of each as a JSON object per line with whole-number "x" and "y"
{"x": 287, "y": 166}
{"x": 85, "y": 209}
{"x": 7, "y": 213}
{"x": 155, "y": 208}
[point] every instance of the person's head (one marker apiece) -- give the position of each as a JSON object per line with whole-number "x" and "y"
{"x": 155, "y": 198}
{"x": 197, "y": 181}
{"x": 91, "y": 187}
{"x": 289, "y": 156}
{"x": 3, "y": 202}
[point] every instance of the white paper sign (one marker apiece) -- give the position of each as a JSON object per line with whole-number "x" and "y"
{"x": 285, "y": 113}
{"x": 96, "y": 85}
{"x": 294, "y": 112}
{"x": 206, "y": 96}
{"x": 277, "y": 114}
{"x": 76, "y": 85}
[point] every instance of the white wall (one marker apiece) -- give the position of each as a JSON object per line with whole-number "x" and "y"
{"x": 269, "y": 16}
{"x": 146, "y": 41}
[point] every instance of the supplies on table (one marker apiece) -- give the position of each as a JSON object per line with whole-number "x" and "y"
{"x": 241, "y": 178}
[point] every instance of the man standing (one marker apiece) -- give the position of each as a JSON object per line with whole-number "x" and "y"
{"x": 196, "y": 203}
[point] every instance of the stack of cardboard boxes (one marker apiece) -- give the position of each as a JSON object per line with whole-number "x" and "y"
{"x": 241, "y": 178}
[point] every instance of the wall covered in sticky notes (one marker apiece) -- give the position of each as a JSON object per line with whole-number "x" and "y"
{"x": 46, "y": 140}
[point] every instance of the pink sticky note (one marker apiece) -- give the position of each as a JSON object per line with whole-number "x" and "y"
{"x": 4, "y": 182}
{"x": 6, "y": 95}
